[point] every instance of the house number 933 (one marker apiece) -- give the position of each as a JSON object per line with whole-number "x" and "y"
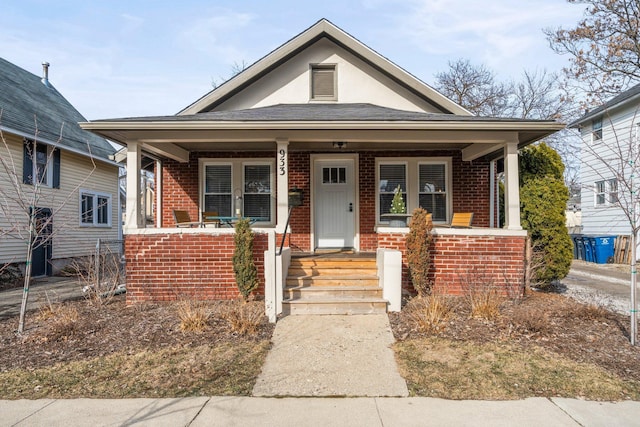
{"x": 282, "y": 163}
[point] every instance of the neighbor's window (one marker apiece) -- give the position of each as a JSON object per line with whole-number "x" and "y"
{"x": 390, "y": 176}
{"x": 596, "y": 129}
{"x": 41, "y": 164}
{"x": 323, "y": 82}
{"x": 95, "y": 209}
{"x": 606, "y": 192}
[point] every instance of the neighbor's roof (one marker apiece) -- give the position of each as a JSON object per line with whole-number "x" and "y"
{"x": 625, "y": 97}
{"x": 27, "y": 104}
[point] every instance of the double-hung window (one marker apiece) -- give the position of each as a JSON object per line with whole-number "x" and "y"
{"x": 596, "y": 130}
{"x": 240, "y": 187}
{"x": 424, "y": 182}
{"x": 606, "y": 192}
{"x": 95, "y": 209}
{"x": 40, "y": 164}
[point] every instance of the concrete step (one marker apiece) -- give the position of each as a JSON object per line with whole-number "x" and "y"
{"x": 327, "y": 292}
{"x": 332, "y": 271}
{"x": 335, "y": 306}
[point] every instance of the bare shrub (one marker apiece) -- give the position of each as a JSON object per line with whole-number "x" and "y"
{"x": 528, "y": 319}
{"x": 586, "y": 312}
{"x": 430, "y": 312}
{"x": 244, "y": 317}
{"x": 100, "y": 275}
{"x": 481, "y": 294}
{"x": 194, "y": 315}
{"x": 63, "y": 321}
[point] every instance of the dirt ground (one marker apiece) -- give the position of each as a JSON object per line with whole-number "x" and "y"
{"x": 102, "y": 330}
{"x": 556, "y": 323}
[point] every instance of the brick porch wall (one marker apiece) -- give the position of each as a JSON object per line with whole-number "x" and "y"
{"x": 170, "y": 266}
{"x": 462, "y": 261}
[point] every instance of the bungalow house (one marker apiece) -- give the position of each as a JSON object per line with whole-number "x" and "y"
{"x": 50, "y": 168}
{"x": 608, "y": 132}
{"x": 327, "y": 116}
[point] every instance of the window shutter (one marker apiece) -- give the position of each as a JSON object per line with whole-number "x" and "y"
{"x": 56, "y": 168}
{"x": 27, "y": 162}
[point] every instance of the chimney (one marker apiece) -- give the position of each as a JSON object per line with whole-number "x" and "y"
{"x": 45, "y": 74}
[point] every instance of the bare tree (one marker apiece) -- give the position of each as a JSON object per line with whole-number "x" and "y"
{"x": 603, "y": 47}
{"x": 19, "y": 203}
{"x": 236, "y": 69}
{"x": 475, "y": 88}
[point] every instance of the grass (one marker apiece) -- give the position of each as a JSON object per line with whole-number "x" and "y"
{"x": 437, "y": 367}
{"x": 224, "y": 370}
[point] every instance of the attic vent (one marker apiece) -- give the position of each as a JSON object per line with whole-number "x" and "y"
{"x": 323, "y": 82}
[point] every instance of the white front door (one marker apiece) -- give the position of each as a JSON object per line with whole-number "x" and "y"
{"x": 335, "y": 204}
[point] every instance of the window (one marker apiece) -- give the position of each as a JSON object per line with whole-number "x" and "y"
{"x": 238, "y": 187}
{"x": 323, "y": 82}
{"x": 425, "y": 182}
{"x": 432, "y": 190}
{"x": 596, "y": 130}
{"x": 257, "y": 192}
{"x": 390, "y": 176}
{"x": 218, "y": 193}
{"x": 606, "y": 192}
{"x": 42, "y": 162}
{"x": 95, "y": 209}
{"x": 334, "y": 175}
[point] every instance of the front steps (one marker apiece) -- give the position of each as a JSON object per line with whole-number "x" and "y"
{"x": 330, "y": 284}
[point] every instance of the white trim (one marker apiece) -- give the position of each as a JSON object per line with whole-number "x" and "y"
{"x": 313, "y": 158}
{"x": 57, "y": 145}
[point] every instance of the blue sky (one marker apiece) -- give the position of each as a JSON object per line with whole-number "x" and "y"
{"x": 135, "y": 57}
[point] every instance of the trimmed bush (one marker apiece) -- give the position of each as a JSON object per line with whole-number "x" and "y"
{"x": 419, "y": 242}
{"x": 244, "y": 268}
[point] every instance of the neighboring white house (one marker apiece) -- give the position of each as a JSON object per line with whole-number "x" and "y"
{"x": 41, "y": 137}
{"x": 607, "y": 133}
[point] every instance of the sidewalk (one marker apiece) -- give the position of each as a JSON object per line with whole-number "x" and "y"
{"x": 321, "y": 412}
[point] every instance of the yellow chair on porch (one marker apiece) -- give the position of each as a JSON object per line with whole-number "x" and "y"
{"x": 208, "y": 219}
{"x": 183, "y": 220}
{"x": 461, "y": 220}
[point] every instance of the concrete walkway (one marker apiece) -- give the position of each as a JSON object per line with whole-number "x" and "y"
{"x": 53, "y": 289}
{"x": 331, "y": 356}
{"x": 370, "y": 412}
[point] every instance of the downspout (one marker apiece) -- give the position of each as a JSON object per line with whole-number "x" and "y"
{"x": 492, "y": 193}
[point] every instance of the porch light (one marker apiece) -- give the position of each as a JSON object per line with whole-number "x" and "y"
{"x": 339, "y": 144}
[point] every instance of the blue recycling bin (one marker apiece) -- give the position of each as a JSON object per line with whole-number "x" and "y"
{"x": 588, "y": 249}
{"x": 578, "y": 247}
{"x": 603, "y": 248}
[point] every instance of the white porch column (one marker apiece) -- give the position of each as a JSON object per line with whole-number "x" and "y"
{"x": 133, "y": 214}
{"x": 282, "y": 182}
{"x": 512, "y": 187}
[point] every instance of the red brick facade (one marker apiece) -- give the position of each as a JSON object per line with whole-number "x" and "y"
{"x": 167, "y": 266}
{"x": 463, "y": 262}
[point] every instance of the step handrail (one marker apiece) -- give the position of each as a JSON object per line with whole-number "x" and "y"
{"x": 284, "y": 235}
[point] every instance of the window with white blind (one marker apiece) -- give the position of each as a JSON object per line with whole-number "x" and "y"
{"x": 432, "y": 189}
{"x": 323, "y": 82}
{"x": 390, "y": 176}
{"x": 424, "y": 182}
{"x": 239, "y": 187}
{"x": 218, "y": 190}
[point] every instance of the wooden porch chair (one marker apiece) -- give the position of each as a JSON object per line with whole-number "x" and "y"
{"x": 461, "y": 220}
{"x": 183, "y": 220}
{"x": 211, "y": 222}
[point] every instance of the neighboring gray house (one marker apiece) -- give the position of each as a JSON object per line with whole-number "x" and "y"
{"x": 80, "y": 201}
{"x": 607, "y": 132}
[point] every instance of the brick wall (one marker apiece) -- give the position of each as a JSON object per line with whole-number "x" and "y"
{"x": 460, "y": 262}
{"x": 171, "y": 266}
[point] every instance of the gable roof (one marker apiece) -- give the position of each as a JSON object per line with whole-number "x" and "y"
{"x": 29, "y": 103}
{"x": 322, "y": 29}
{"x": 626, "y": 97}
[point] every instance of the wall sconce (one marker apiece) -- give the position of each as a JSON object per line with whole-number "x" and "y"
{"x": 339, "y": 144}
